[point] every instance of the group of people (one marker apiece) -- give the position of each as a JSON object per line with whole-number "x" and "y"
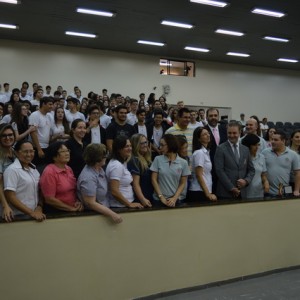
{"x": 123, "y": 155}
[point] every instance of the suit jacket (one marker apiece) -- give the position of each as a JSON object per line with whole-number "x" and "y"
{"x": 229, "y": 171}
{"x": 88, "y": 136}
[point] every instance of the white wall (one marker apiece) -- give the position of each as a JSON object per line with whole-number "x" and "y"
{"x": 252, "y": 90}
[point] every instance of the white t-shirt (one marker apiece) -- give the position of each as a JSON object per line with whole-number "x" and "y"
{"x": 73, "y": 116}
{"x": 201, "y": 158}
{"x": 24, "y": 182}
{"x": 43, "y": 124}
{"x": 95, "y": 135}
{"x": 105, "y": 121}
{"x": 118, "y": 171}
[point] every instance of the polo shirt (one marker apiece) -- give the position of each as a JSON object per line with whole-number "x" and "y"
{"x": 169, "y": 174}
{"x": 24, "y": 182}
{"x": 188, "y": 133}
{"x": 201, "y": 159}
{"x": 279, "y": 167}
{"x": 93, "y": 183}
{"x": 59, "y": 183}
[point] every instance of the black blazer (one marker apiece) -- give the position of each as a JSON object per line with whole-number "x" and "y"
{"x": 88, "y": 136}
{"x": 150, "y": 126}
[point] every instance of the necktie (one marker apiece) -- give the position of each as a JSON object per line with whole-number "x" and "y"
{"x": 216, "y": 136}
{"x": 236, "y": 153}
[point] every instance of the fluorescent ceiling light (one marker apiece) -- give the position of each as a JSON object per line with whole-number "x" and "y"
{"x": 275, "y": 39}
{"x": 229, "y": 32}
{"x": 88, "y": 35}
{"x": 287, "y": 60}
{"x": 10, "y": 1}
{"x": 196, "y": 49}
{"x": 210, "y": 2}
{"x": 165, "y": 64}
{"x": 150, "y": 43}
{"x": 269, "y": 13}
{"x": 8, "y": 26}
{"x": 176, "y": 24}
{"x": 238, "y": 54}
{"x": 95, "y": 12}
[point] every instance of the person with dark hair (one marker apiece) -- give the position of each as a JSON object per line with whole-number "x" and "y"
{"x": 7, "y": 157}
{"x": 21, "y": 181}
{"x": 164, "y": 104}
{"x": 58, "y": 184}
{"x": 60, "y": 130}
{"x": 155, "y": 131}
{"x": 280, "y": 162}
{"x": 132, "y": 115}
{"x": 169, "y": 173}
{"x": 140, "y": 126}
{"x": 1, "y": 110}
{"x": 48, "y": 91}
{"x": 218, "y": 135}
{"x": 92, "y": 182}
{"x": 76, "y": 144}
{"x": 105, "y": 120}
{"x": 295, "y": 141}
{"x": 40, "y": 137}
{"x": 151, "y": 99}
{"x": 37, "y": 97}
{"x": 20, "y": 122}
{"x": 118, "y": 127}
{"x": 139, "y": 167}
{"x": 201, "y": 184}
{"x": 7, "y": 111}
{"x": 14, "y": 98}
{"x": 95, "y": 133}
{"x": 259, "y": 184}
{"x": 72, "y": 113}
{"x": 182, "y": 127}
{"x": 120, "y": 191}
{"x": 268, "y": 136}
{"x": 233, "y": 165}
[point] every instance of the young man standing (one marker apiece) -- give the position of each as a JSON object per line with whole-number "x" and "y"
{"x": 118, "y": 127}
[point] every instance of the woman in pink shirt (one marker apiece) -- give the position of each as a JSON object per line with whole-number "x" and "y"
{"x": 57, "y": 182}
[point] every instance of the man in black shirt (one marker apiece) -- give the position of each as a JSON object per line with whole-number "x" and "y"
{"x": 119, "y": 127}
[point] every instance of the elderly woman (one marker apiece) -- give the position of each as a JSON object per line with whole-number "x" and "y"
{"x": 92, "y": 183}
{"x": 120, "y": 192}
{"x": 7, "y": 157}
{"x": 139, "y": 167}
{"x": 169, "y": 173}
{"x": 21, "y": 183}
{"x": 259, "y": 184}
{"x": 58, "y": 183}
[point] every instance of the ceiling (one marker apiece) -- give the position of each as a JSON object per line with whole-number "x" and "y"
{"x": 46, "y": 22}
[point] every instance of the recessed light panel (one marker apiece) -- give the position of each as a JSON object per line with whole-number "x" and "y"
{"x": 150, "y": 43}
{"x": 268, "y": 13}
{"x": 210, "y": 2}
{"x": 176, "y": 24}
{"x": 81, "y": 34}
{"x": 238, "y": 54}
{"x": 229, "y": 32}
{"x": 95, "y": 12}
{"x": 196, "y": 49}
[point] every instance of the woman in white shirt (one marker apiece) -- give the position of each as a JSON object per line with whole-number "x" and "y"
{"x": 120, "y": 191}
{"x": 60, "y": 129}
{"x": 201, "y": 185}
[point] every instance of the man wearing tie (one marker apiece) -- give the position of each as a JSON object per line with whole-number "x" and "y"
{"x": 233, "y": 165}
{"x": 218, "y": 135}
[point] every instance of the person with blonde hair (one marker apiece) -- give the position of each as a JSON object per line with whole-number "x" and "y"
{"x": 139, "y": 167}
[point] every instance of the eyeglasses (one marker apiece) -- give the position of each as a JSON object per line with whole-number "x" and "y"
{"x": 64, "y": 151}
{"x": 4, "y": 136}
{"x": 27, "y": 151}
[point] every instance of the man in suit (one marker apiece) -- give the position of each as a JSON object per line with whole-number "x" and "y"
{"x": 218, "y": 135}
{"x": 233, "y": 165}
